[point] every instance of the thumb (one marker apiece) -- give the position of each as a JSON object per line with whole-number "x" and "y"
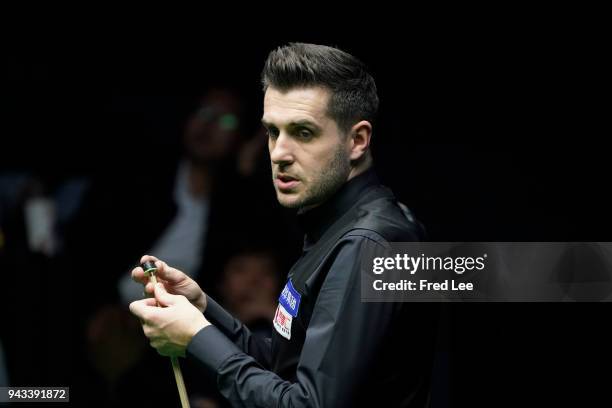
{"x": 164, "y": 298}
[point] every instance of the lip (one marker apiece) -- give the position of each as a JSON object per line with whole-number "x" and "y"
{"x": 287, "y": 184}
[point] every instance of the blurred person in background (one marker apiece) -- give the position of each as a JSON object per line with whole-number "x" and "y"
{"x": 36, "y": 206}
{"x": 210, "y": 144}
{"x": 250, "y": 286}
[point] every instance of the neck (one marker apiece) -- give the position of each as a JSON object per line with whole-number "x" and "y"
{"x": 360, "y": 167}
{"x": 354, "y": 172}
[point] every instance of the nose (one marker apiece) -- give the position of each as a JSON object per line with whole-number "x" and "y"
{"x": 281, "y": 150}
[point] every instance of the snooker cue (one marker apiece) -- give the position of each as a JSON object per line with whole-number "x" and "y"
{"x": 149, "y": 269}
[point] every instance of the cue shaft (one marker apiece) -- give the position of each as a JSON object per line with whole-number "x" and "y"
{"x": 176, "y": 368}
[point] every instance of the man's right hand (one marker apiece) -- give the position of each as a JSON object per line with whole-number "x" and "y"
{"x": 175, "y": 282}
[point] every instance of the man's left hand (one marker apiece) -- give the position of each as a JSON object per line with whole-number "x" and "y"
{"x": 170, "y": 327}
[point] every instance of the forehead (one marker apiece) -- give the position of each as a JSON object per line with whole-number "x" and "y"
{"x": 297, "y": 104}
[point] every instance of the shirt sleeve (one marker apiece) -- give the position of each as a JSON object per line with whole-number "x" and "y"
{"x": 341, "y": 341}
{"x": 238, "y": 333}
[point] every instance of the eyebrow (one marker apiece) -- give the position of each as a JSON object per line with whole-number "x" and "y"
{"x": 297, "y": 123}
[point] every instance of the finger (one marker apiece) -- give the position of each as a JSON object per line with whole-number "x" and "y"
{"x": 164, "y": 298}
{"x": 168, "y": 273}
{"x": 139, "y": 307}
{"x": 149, "y": 288}
{"x": 139, "y": 276}
{"x": 148, "y": 258}
{"x": 148, "y": 302}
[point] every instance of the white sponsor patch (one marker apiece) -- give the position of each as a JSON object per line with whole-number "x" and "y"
{"x": 282, "y": 322}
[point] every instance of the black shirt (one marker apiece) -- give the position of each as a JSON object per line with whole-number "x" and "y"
{"x": 329, "y": 348}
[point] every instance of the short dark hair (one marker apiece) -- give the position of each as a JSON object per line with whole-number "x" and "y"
{"x": 353, "y": 90}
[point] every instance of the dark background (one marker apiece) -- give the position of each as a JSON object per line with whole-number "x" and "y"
{"x": 488, "y": 135}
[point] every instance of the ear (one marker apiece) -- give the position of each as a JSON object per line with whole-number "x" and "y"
{"x": 360, "y": 136}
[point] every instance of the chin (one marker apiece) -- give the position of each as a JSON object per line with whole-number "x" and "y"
{"x": 289, "y": 200}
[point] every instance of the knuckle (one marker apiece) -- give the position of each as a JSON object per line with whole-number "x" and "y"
{"x": 147, "y": 316}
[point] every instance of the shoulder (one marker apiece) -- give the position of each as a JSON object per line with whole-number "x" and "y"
{"x": 386, "y": 219}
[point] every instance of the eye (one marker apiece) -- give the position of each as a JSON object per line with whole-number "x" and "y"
{"x": 272, "y": 132}
{"x": 304, "y": 133}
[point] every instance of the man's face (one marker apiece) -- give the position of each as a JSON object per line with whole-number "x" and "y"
{"x": 211, "y": 133}
{"x": 308, "y": 152}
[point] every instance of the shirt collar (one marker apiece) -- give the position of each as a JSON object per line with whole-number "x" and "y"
{"x": 316, "y": 221}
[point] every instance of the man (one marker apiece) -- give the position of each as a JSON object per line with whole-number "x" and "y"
{"x": 328, "y": 349}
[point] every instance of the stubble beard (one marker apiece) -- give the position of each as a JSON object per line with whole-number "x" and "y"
{"x": 324, "y": 183}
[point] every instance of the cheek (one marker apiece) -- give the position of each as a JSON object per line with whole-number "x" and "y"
{"x": 312, "y": 161}
{"x": 319, "y": 164}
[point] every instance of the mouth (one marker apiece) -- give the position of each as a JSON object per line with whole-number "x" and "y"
{"x": 285, "y": 182}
